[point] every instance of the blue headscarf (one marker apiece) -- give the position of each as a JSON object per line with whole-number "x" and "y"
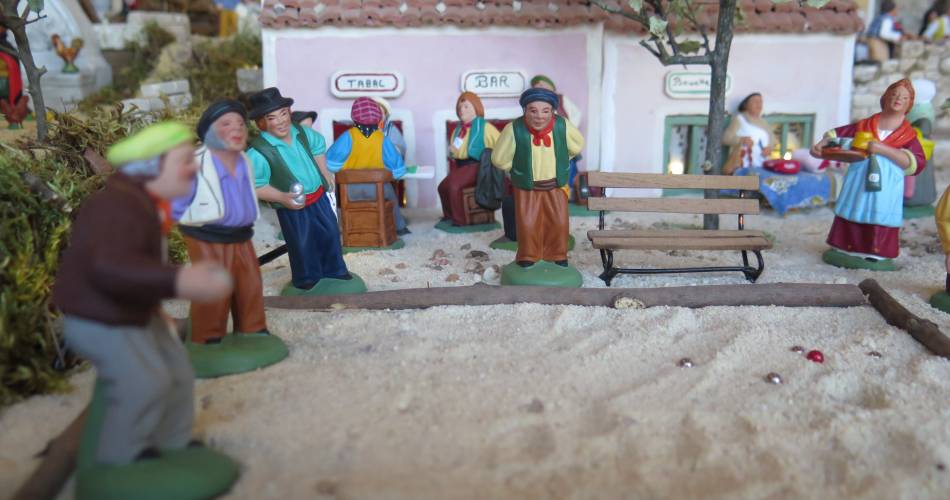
{"x": 539, "y": 94}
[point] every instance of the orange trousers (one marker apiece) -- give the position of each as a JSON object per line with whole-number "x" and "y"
{"x": 209, "y": 320}
{"x": 542, "y": 223}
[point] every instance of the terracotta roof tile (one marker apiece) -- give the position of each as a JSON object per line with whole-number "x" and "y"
{"x": 838, "y": 16}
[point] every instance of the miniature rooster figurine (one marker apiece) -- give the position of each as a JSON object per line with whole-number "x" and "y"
{"x": 15, "y": 113}
{"x": 68, "y": 54}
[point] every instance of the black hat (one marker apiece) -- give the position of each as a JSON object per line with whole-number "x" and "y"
{"x": 299, "y": 116}
{"x": 216, "y": 110}
{"x": 268, "y": 100}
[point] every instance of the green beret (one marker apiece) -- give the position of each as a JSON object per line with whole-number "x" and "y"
{"x": 150, "y": 142}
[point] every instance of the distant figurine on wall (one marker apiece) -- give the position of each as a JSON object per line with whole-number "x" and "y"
{"x": 286, "y": 156}
{"x": 536, "y": 150}
{"x": 869, "y": 211}
{"x": 473, "y": 137}
{"x": 227, "y": 17}
{"x": 365, "y": 146}
{"x": 217, "y": 222}
{"x": 305, "y": 119}
{"x": 884, "y": 33}
{"x": 13, "y": 102}
{"x": 110, "y": 284}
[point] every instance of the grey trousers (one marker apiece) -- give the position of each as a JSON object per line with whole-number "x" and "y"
{"x": 148, "y": 383}
{"x": 367, "y": 192}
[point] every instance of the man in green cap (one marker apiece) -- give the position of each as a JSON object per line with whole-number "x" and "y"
{"x": 111, "y": 281}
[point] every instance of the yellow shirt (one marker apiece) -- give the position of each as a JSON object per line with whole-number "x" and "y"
{"x": 491, "y": 136}
{"x": 543, "y": 161}
{"x": 366, "y": 152}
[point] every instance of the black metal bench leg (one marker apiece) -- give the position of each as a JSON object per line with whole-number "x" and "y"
{"x": 607, "y": 256}
{"x": 753, "y": 274}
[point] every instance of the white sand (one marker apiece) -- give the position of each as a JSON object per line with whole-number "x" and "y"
{"x": 531, "y": 401}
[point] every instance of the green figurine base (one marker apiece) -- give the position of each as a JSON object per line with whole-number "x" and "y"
{"x": 447, "y": 226}
{"x": 941, "y": 301}
{"x": 576, "y": 210}
{"x": 918, "y": 211}
{"x": 399, "y": 243}
{"x": 236, "y": 354}
{"x": 15, "y": 126}
{"x": 70, "y": 68}
{"x": 503, "y": 243}
{"x": 542, "y": 273}
{"x": 843, "y": 260}
{"x": 328, "y": 286}
{"x": 189, "y": 473}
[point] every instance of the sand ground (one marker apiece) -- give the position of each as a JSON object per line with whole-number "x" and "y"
{"x": 529, "y": 401}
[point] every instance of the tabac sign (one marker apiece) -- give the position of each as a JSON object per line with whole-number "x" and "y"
{"x": 691, "y": 84}
{"x": 350, "y": 84}
{"x": 491, "y": 83}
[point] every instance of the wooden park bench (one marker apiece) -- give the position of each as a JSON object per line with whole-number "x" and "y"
{"x": 741, "y": 240}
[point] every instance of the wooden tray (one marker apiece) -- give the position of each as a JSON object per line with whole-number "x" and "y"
{"x": 845, "y": 155}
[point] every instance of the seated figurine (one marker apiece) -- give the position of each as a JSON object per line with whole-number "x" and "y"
{"x": 869, "y": 210}
{"x": 111, "y": 281}
{"x": 473, "y": 138}
{"x": 365, "y": 146}
{"x": 217, "y": 222}
{"x": 536, "y": 150}
{"x": 750, "y": 138}
{"x": 286, "y": 156}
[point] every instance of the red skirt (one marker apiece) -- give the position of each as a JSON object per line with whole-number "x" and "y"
{"x": 871, "y": 239}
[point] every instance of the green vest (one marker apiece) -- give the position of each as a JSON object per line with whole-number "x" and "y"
{"x": 280, "y": 175}
{"x": 521, "y": 173}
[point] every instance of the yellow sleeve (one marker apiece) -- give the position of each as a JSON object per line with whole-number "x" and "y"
{"x": 575, "y": 141}
{"x": 491, "y": 135}
{"x": 942, "y": 217}
{"x": 504, "y": 151}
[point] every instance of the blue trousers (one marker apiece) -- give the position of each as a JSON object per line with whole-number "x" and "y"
{"x": 313, "y": 243}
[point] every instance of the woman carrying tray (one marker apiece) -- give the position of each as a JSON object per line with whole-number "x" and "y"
{"x": 868, "y": 215}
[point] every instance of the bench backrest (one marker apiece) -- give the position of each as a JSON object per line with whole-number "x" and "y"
{"x": 674, "y": 205}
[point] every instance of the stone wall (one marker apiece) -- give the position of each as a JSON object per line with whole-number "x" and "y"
{"x": 916, "y": 60}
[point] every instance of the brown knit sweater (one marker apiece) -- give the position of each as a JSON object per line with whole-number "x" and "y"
{"x": 114, "y": 271}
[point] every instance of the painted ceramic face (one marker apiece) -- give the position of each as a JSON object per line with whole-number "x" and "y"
{"x": 543, "y": 85}
{"x": 466, "y": 112}
{"x": 754, "y": 106}
{"x": 538, "y": 114}
{"x": 278, "y": 123}
{"x": 177, "y": 172}
{"x": 898, "y": 100}
{"x": 232, "y": 130}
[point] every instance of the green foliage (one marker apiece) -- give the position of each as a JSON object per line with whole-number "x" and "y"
{"x": 41, "y": 184}
{"x": 34, "y": 225}
{"x": 212, "y": 72}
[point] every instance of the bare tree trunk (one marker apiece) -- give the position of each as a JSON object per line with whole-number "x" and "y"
{"x": 717, "y": 99}
{"x": 17, "y": 25}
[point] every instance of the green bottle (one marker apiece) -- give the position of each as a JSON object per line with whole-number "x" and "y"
{"x": 872, "y": 182}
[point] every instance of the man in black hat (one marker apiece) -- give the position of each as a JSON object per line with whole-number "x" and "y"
{"x": 536, "y": 149}
{"x": 286, "y": 156}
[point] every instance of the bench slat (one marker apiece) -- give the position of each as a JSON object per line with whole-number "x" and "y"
{"x": 731, "y": 243}
{"x": 675, "y": 205}
{"x": 670, "y": 233}
{"x": 669, "y": 181}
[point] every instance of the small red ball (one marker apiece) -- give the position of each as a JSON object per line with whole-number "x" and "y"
{"x": 816, "y": 356}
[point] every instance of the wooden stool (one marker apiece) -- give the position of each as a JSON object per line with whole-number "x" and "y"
{"x": 366, "y": 223}
{"x": 474, "y": 213}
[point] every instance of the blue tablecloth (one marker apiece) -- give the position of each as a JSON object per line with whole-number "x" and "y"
{"x": 785, "y": 192}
